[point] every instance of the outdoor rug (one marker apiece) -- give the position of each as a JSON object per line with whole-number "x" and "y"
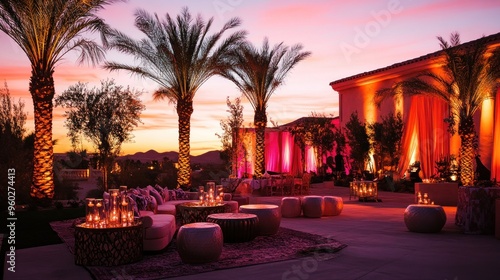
{"x": 287, "y": 244}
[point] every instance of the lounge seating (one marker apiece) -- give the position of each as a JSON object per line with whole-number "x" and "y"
{"x": 157, "y": 208}
{"x": 424, "y": 218}
{"x": 290, "y": 207}
{"x": 199, "y": 242}
{"x": 312, "y": 206}
{"x": 333, "y": 205}
{"x": 159, "y": 229}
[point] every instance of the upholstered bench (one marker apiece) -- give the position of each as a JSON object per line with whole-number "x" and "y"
{"x": 424, "y": 218}
{"x": 159, "y": 230}
{"x": 199, "y": 242}
{"x": 290, "y": 207}
{"x": 269, "y": 217}
{"x": 312, "y": 206}
{"x": 333, "y": 205}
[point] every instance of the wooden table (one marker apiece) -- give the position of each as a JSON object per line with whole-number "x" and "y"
{"x": 236, "y": 227}
{"x": 108, "y": 246}
{"x": 445, "y": 194}
{"x": 269, "y": 217}
{"x": 192, "y": 212}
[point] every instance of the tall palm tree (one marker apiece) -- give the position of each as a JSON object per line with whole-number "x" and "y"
{"x": 470, "y": 76}
{"x": 179, "y": 55}
{"x": 257, "y": 74}
{"x": 46, "y": 30}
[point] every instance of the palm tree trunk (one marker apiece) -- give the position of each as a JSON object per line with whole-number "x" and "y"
{"x": 42, "y": 92}
{"x": 467, "y": 155}
{"x": 260, "y": 122}
{"x": 184, "y": 111}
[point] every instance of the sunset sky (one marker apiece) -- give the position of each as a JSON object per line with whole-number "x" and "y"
{"x": 345, "y": 38}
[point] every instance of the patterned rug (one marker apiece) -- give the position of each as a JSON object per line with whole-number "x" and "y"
{"x": 285, "y": 245}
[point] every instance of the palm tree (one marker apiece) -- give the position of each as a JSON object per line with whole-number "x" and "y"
{"x": 179, "y": 55}
{"x": 470, "y": 76}
{"x": 257, "y": 74}
{"x": 46, "y": 30}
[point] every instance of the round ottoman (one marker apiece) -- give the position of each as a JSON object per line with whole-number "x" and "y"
{"x": 269, "y": 217}
{"x": 231, "y": 206}
{"x": 236, "y": 227}
{"x": 312, "y": 206}
{"x": 290, "y": 207}
{"x": 424, "y": 218}
{"x": 333, "y": 205}
{"x": 199, "y": 242}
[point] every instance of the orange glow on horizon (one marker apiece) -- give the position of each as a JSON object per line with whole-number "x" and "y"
{"x": 305, "y": 89}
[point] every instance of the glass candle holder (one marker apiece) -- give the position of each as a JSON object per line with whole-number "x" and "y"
{"x": 89, "y": 211}
{"x": 126, "y": 211}
{"x": 220, "y": 192}
{"x": 99, "y": 214}
{"x": 114, "y": 208}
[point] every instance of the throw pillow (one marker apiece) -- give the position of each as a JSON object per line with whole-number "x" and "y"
{"x": 172, "y": 195}
{"x": 153, "y": 192}
{"x": 181, "y": 195}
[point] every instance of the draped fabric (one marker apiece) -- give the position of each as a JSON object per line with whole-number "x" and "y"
{"x": 425, "y": 138}
{"x": 272, "y": 155}
{"x": 282, "y": 154}
{"x": 495, "y": 159}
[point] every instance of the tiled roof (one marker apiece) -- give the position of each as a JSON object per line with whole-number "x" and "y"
{"x": 303, "y": 119}
{"x": 490, "y": 38}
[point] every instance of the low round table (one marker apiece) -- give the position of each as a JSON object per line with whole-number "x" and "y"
{"x": 425, "y": 218}
{"x": 269, "y": 217}
{"x": 192, "y": 212}
{"x": 236, "y": 227}
{"x": 108, "y": 246}
{"x": 199, "y": 242}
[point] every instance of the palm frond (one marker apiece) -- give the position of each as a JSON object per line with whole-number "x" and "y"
{"x": 177, "y": 53}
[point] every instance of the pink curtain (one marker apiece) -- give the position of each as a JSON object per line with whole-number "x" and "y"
{"x": 282, "y": 154}
{"x": 272, "y": 151}
{"x": 495, "y": 159}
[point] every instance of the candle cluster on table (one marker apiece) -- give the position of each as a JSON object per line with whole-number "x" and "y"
{"x": 213, "y": 196}
{"x": 424, "y": 199}
{"x": 364, "y": 189}
{"x": 113, "y": 212}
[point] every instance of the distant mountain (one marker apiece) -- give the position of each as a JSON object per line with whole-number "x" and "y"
{"x": 208, "y": 157}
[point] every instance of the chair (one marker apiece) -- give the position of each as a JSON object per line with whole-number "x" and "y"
{"x": 288, "y": 185}
{"x": 306, "y": 183}
{"x": 303, "y": 187}
{"x": 277, "y": 185}
{"x": 266, "y": 186}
